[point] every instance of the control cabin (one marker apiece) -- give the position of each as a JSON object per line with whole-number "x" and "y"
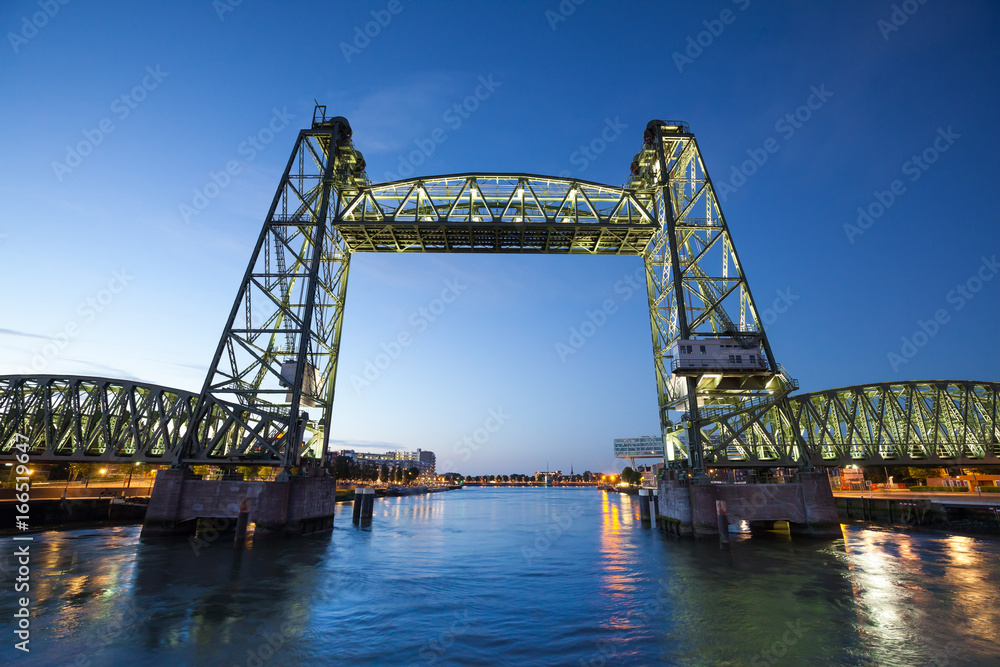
{"x": 721, "y": 364}
{"x": 723, "y": 355}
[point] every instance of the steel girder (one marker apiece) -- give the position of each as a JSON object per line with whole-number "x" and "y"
{"x": 497, "y": 213}
{"x": 934, "y": 423}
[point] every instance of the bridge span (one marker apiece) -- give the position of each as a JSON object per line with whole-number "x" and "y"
{"x": 267, "y": 399}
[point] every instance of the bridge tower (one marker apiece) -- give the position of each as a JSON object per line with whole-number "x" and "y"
{"x": 711, "y": 353}
{"x": 277, "y": 357}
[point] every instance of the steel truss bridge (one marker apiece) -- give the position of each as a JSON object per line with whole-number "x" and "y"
{"x": 269, "y": 394}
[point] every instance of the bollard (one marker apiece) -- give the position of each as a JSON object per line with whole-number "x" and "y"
{"x": 369, "y": 504}
{"x": 242, "y": 521}
{"x": 359, "y": 501}
{"x": 720, "y": 510}
{"x": 644, "y": 504}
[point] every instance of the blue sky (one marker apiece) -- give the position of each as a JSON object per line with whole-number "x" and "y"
{"x": 105, "y": 276}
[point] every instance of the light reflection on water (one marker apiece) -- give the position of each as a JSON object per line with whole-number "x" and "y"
{"x": 513, "y": 576}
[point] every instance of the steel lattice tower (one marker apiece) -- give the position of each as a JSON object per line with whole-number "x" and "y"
{"x": 696, "y": 287}
{"x": 279, "y": 351}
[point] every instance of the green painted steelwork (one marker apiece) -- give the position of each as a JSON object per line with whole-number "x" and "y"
{"x": 269, "y": 394}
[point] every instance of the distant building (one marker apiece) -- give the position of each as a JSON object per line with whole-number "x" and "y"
{"x": 422, "y": 460}
{"x": 648, "y": 446}
{"x": 650, "y": 474}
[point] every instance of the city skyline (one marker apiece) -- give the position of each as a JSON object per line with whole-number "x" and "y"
{"x": 853, "y": 162}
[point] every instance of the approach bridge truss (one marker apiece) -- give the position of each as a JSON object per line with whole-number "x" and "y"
{"x": 937, "y": 423}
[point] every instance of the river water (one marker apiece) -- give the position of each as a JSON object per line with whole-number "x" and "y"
{"x": 538, "y": 576}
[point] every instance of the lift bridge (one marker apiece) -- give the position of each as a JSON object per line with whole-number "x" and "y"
{"x": 269, "y": 394}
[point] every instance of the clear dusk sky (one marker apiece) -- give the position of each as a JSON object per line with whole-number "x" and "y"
{"x": 115, "y": 115}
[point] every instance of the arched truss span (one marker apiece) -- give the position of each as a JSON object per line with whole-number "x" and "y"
{"x": 58, "y": 418}
{"x": 931, "y": 423}
{"x": 485, "y": 212}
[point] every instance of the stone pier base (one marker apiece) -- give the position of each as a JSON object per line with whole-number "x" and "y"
{"x": 299, "y": 506}
{"x": 807, "y": 505}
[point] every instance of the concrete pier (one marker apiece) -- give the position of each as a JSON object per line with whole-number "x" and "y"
{"x": 298, "y": 506}
{"x": 807, "y": 505}
{"x": 359, "y": 504}
{"x": 364, "y": 504}
{"x": 644, "y": 505}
